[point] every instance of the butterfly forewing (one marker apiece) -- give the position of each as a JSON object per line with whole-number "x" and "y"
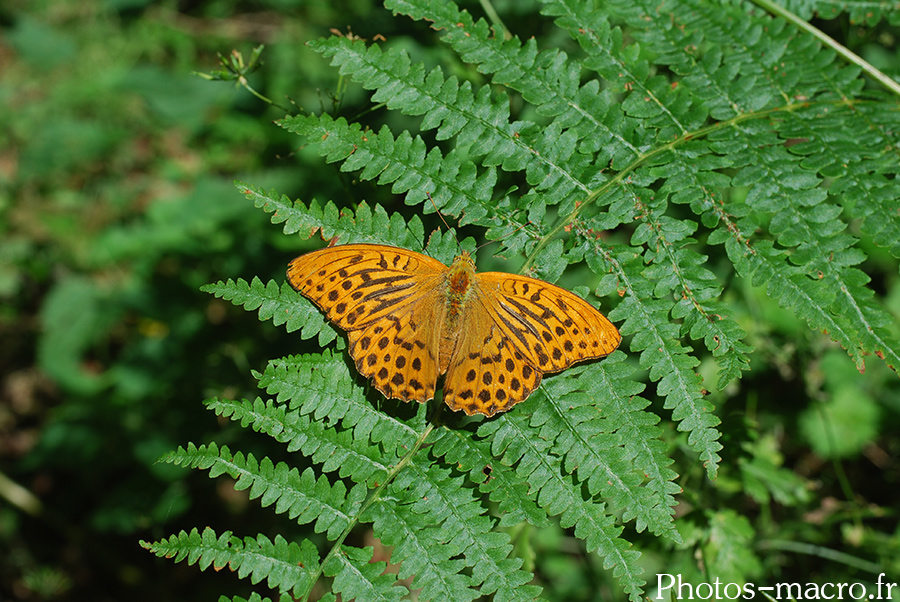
{"x": 358, "y": 284}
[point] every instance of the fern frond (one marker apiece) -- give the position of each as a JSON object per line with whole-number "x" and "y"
{"x": 407, "y": 165}
{"x": 323, "y": 387}
{"x": 814, "y": 275}
{"x": 286, "y": 566}
{"x": 661, "y": 352}
{"x": 281, "y": 304}
{"x": 332, "y": 449}
{"x": 502, "y": 484}
{"x": 254, "y": 597}
{"x": 477, "y": 121}
{"x": 356, "y": 577}
{"x": 436, "y": 501}
{"x": 612, "y": 442}
{"x": 852, "y": 146}
{"x": 860, "y": 13}
{"x": 546, "y": 79}
{"x": 516, "y": 444}
{"x": 361, "y": 225}
{"x": 588, "y": 445}
{"x": 302, "y": 496}
{"x": 422, "y": 551}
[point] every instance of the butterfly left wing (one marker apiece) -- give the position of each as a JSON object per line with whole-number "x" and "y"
{"x": 385, "y": 297}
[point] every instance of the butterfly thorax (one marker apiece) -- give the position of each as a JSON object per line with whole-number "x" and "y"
{"x": 459, "y": 279}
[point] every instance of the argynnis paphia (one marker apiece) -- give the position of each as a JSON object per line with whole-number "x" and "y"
{"x": 410, "y": 319}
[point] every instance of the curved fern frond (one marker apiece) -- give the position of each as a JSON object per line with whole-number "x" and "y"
{"x": 356, "y": 577}
{"x": 501, "y": 482}
{"x": 333, "y": 450}
{"x": 559, "y": 495}
{"x": 302, "y": 496}
{"x": 323, "y": 387}
{"x": 277, "y": 303}
{"x": 285, "y": 566}
{"x": 361, "y": 225}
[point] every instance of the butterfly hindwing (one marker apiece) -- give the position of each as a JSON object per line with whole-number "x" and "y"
{"x": 487, "y": 374}
{"x": 400, "y": 352}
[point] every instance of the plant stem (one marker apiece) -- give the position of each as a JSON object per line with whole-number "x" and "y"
{"x": 373, "y": 497}
{"x": 800, "y": 547}
{"x": 495, "y": 18}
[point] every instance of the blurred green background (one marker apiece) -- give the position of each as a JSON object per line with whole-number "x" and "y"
{"x": 117, "y": 204}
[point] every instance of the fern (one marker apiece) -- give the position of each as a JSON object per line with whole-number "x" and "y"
{"x": 675, "y": 126}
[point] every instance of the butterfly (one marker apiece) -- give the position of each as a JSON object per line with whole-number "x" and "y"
{"x": 409, "y": 319}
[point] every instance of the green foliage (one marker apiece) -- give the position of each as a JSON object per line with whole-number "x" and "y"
{"x": 658, "y": 138}
{"x": 116, "y": 205}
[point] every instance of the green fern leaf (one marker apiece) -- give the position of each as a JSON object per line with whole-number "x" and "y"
{"x": 281, "y": 304}
{"x": 499, "y": 481}
{"x": 361, "y": 225}
{"x": 546, "y": 79}
{"x": 860, "y": 13}
{"x": 475, "y": 120}
{"x": 301, "y": 496}
{"x": 254, "y": 597}
{"x": 356, "y": 577}
{"x": 324, "y": 387}
{"x": 286, "y": 567}
{"x": 423, "y": 553}
{"x": 661, "y": 351}
{"x": 334, "y": 450}
{"x": 516, "y": 444}
{"x": 402, "y": 161}
{"x": 436, "y": 498}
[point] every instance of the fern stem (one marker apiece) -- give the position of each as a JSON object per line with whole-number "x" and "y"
{"x": 495, "y": 18}
{"x": 373, "y": 497}
{"x": 800, "y": 547}
{"x": 854, "y": 58}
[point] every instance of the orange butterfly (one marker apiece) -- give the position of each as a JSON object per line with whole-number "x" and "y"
{"x": 410, "y": 318}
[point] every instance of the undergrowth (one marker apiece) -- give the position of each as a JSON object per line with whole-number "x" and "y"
{"x": 671, "y": 134}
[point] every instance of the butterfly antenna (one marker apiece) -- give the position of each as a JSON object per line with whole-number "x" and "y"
{"x": 440, "y": 215}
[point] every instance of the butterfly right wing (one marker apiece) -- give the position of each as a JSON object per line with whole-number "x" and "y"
{"x": 551, "y": 327}
{"x": 517, "y": 329}
{"x": 388, "y": 300}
